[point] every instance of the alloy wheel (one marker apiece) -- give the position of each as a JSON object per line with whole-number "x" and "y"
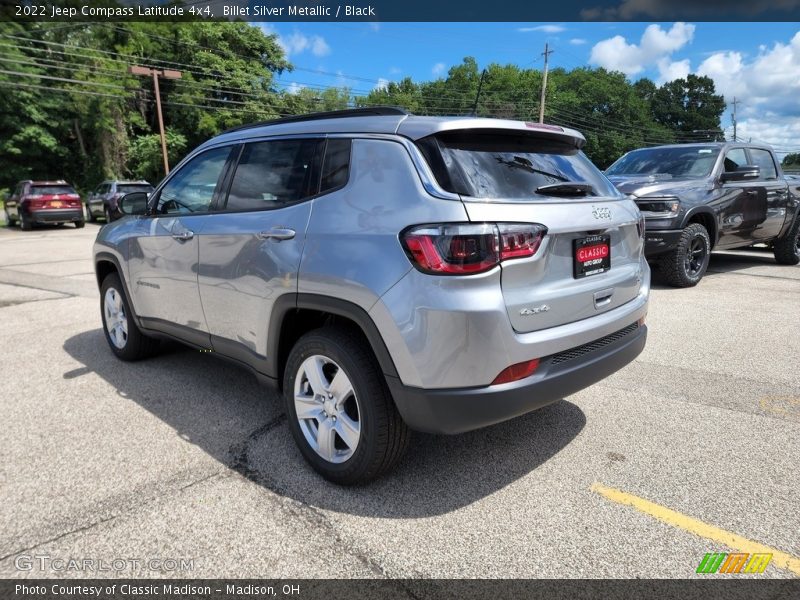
{"x": 327, "y": 409}
{"x": 116, "y": 319}
{"x": 695, "y": 256}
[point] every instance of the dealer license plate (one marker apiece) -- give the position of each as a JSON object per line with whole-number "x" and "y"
{"x": 592, "y": 255}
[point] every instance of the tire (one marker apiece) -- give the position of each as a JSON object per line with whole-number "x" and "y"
{"x": 126, "y": 341}
{"x": 24, "y": 223}
{"x": 382, "y": 436}
{"x": 80, "y": 224}
{"x": 787, "y": 249}
{"x": 90, "y": 214}
{"x": 686, "y": 265}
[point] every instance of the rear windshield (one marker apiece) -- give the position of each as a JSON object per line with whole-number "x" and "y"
{"x": 42, "y": 190}
{"x": 690, "y": 161}
{"x": 128, "y": 188}
{"x": 508, "y": 166}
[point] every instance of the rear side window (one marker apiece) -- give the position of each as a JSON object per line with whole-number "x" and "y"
{"x": 41, "y": 190}
{"x": 336, "y": 166}
{"x": 763, "y": 159}
{"x": 508, "y": 166}
{"x": 275, "y": 173}
{"x": 128, "y": 188}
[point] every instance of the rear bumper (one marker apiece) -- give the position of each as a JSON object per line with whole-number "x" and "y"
{"x": 56, "y": 215}
{"x": 451, "y": 411}
{"x": 660, "y": 241}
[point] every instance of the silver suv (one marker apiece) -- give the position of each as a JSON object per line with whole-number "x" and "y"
{"x": 386, "y": 272}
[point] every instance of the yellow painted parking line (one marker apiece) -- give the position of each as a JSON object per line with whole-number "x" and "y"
{"x": 782, "y": 560}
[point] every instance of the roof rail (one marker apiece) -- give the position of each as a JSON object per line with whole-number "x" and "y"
{"x": 367, "y": 111}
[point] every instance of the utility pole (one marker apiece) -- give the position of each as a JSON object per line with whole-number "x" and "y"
{"x": 478, "y": 95}
{"x": 156, "y": 73}
{"x": 735, "y": 102}
{"x": 547, "y": 52}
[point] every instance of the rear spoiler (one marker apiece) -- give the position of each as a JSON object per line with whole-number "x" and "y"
{"x": 417, "y": 128}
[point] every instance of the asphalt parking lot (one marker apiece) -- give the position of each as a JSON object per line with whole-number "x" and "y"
{"x": 691, "y": 449}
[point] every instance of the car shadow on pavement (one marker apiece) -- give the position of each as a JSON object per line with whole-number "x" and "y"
{"x": 221, "y": 408}
{"x": 725, "y": 262}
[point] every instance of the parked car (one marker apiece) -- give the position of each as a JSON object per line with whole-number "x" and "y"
{"x": 102, "y": 202}
{"x": 701, "y": 197}
{"x": 34, "y": 202}
{"x": 386, "y": 271}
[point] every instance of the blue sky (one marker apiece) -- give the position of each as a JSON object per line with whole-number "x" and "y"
{"x": 757, "y": 62}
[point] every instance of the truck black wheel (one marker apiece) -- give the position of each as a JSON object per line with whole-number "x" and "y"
{"x": 787, "y": 249}
{"x": 686, "y": 265}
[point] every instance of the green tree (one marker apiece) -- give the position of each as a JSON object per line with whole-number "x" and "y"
{"x": 791, "y": 160}
{"x": 30, "y": 138}
{"x": 145, "y": 158}
{"x": 71, "y": 110}
{"x": 690, "y": 107}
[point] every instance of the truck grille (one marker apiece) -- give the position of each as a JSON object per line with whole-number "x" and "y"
{"x": 579, "y": 351}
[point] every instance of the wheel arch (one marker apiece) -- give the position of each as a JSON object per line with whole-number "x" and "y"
{"x": 105, "y": 263}
{"x": 295, "y": 314}
{"x": 705, "y": 217}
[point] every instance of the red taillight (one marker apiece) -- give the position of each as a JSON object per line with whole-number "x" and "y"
{"x": 36, "y": 203}
{"x": 517, "y": 372}
{"x": 463, "y": 249}
{"x": 519, "y": 241}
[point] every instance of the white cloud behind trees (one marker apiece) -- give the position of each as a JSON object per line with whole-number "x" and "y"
{"x": 767, "y": 83}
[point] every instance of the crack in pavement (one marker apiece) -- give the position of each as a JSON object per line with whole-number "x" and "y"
{"x": 294, "y": 507}
{"x": 7, "y": 303}
{"x": 121, "y": 513}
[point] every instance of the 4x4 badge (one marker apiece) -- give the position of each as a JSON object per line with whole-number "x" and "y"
{"x": 534, "y": 311}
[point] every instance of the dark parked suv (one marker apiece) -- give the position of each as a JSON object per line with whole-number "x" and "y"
{"x": 386, "y": 271}
{"x": 102, "y": 202}
{"x": 699, "y": 197}
{"x": 54, "y": 202}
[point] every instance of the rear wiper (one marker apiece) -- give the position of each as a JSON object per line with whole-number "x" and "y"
{"x": 567, "y": 188}
{"x": 520, "y": 162}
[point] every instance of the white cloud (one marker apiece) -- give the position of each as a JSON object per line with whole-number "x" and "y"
{"x": 669, "y": 70}
{"x": 319, "y": 47}
{"x": 578, "y": 41}
{"x": 767, "y": 81}
{"x": 543, "y": 28}
{"x": 656, "y": 44}
{"x": 438, "y": 69}
{"x": 382, "y": 84}
{"x": 374, "y": 26}
{"x": 294, "y": 88}
{"x": 297, "y": 43}
{"x": 782, "y": 132}
{"x": 395, "y": 70}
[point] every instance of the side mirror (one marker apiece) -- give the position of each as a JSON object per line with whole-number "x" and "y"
{"x": 743, "y": 173}
{"x": 134, "y": 203}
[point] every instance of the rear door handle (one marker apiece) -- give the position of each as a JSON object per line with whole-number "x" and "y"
{"x": 277, "y": 234}
{"x": 183, "y": 236}
{"x": 603, "y": 298}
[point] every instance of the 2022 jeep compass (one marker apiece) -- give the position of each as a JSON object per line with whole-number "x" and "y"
{"x": 386, "y": 271}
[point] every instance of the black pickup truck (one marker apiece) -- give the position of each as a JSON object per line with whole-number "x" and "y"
{"x": 699, "y": 197}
